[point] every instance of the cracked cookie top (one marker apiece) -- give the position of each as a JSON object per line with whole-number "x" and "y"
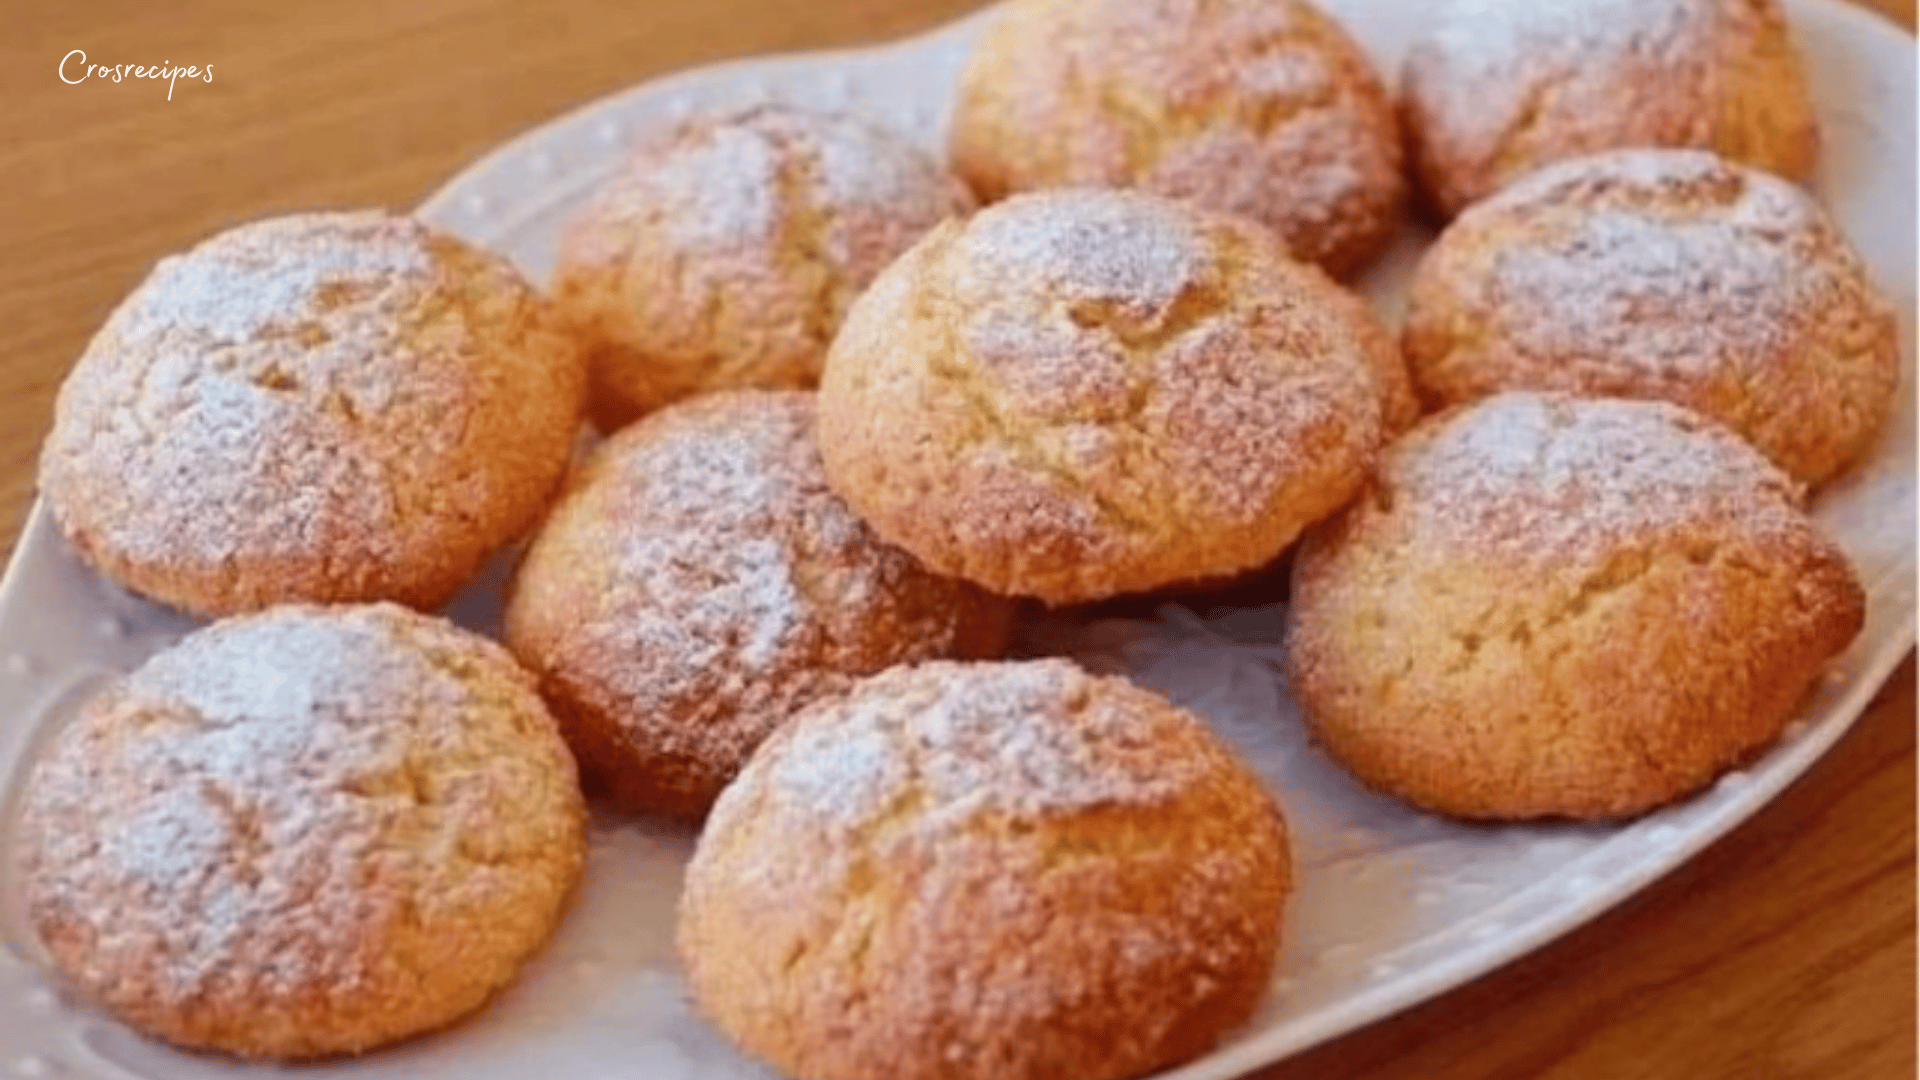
{"x": 304, "y": 832}
{"x": 1667, "y": 274}
{"x": 1496, "y": 88}
{"x": 1082, "y": 393}
{"x": 1020, "y": 866}
{"x": 725, "y": 252}
{"x": 699, "y": 582}
{"x": 1263, "y": 108}
{"x": 325, "y": 407}
{"x": 1546, "y": 605}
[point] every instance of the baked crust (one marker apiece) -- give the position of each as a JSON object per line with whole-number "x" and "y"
{"x": 725, "y": 253}
{"x": 303, "y": 833}
{"x": 325, "y": 407}
{"x": 1557, "y": 606}
{"x": 1664, "y": 274}
{"x": 1496, "y": 88}
{"x": 699, "y": 582}
{"x": 1263, "y": 108}
{"x": 1078, "y": 394}
{"x": 1009, "y": 870}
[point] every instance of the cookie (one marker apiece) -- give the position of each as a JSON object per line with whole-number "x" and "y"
{"x": 330, "y": 407}
{"x": 724, "y": 254}
{"x": 303, "y": 833}
{"x": 1663, "y": 274}
{"x": 699, "y": 583}
{"x": 1549, "y": 606}
{"x": 1263, "y": 108}
{"x": 1494, "y": 89}
{"x": 1084, "y": 393}
{"x": 1009, "y": 870}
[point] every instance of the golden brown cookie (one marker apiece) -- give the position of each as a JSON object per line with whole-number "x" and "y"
{"x": 1009, "y": 870}
{"x": 1668, "y": 274}
{"x": 1083, "y": 393}
{"x": 1496, "y": 88}
{"x": 725, "y": 253}
{"x": 301, "y": 833}
{"x": 1264, "y": 108}
{"x": 325, "y": 407}
{"x": 1558, "y": 606}
{"x": 699, "y": 582}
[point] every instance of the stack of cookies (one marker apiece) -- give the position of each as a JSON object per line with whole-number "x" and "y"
{"x": 860, "y": 407}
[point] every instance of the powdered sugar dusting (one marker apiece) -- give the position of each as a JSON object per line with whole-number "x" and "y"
{"x": 1675, "y": 171}
{"x": 239, "y": 285}
{"x": 966, "y": 853}
{"x": 726, "y": 251}
{"x": 349, "y": 397}
{"x": 1560, "y": 479}
{"x": 1497, "y": 87}
{"x": 1015, "y": 740}
{"x": 175, "y": 837}
{"x": 708, "y": 582}
{"x": 858, "y": 166}
{"x": 1086, "y": 245}
{"x": 208, "y": 826}
{"x": 1261, "y": 108}
{"x": 743, "y": 612}
{"x": 1680, "y": 297}
{"x": 724, "y": 190}
{"x": 1124, "y": 389}
{"x": 720, "y": 518}
{"x": 1665, "y": 274}
{"x": 1492, "y": 39}
{"x": 742, "y": 180}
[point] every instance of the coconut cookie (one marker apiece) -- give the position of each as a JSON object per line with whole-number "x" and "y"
{"x": 303, "y": 833}
{"x": 1556, "y": 606}
{"x": 1669, "y": 274}
{"x": 1264, "y": 108}
{"x": 1084, "y": 393}
{"x": 725, "y": 253}
{"x": 1009, "y": 870}
{"x": 1496, "y": 88}
{"x": 325, "y": 407}
{"x": 699, "y": 582}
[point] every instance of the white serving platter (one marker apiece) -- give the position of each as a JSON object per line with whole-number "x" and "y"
{"x": 1393, "y": 906}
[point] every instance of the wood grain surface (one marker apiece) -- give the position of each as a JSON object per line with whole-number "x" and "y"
{"x": 1785, "y": 951}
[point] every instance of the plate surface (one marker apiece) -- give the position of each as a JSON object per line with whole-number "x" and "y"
{"x": 1393, "y": 906}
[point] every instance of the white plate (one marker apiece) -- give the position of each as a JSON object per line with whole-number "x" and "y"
{"x": 1393, "y": 906}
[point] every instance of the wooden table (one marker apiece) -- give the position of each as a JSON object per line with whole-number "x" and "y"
{"x": 1787, "y": 950}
